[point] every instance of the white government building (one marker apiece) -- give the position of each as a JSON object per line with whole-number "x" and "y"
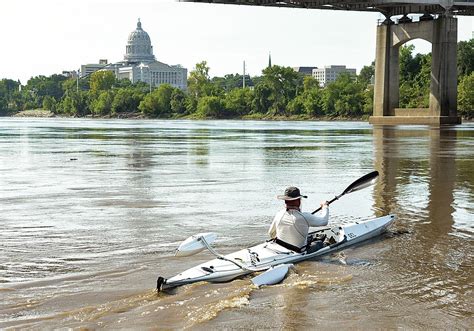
{"x": 329, "y": 74}
{"x": 140, "y": 65}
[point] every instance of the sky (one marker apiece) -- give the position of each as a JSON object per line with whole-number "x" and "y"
{"x": 49, "y": 36}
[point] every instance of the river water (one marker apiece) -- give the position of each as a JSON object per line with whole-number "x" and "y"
{"x": 92, "y": 210}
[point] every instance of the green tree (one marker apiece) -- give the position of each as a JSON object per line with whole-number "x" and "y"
{"x": 261, "y": 102}
{"x": 8, "y": 87}
{"x": 466, "y": 96}
{"x": 210, "y": 107}
{"x": 68, "y": 105}
{"x": 232, "y": 81}
{"x": 199, "y": 86}
{"x": 101, "y": 80}
{"x": 122, "y": 83}
{"x": 158, "y": 102}
{"x": 238, "y": 102}
{"x": 283, "y": 83}
{"x": 41, "y": 86}
{"x": 142, "y": 86}
{"x": 310, "y": 102}
{"x": 344, "y": 97}
{"x": 19, "y": 101}
{"x": 102, "y": 105}
{"x": 314, "y": 102}
{"x": 310, "y": 83}
{"x": 465, "y": 57}
{"x": 296, "y": 106}
{"x": 368, "y": 96}
{"x": 191, "y": 104}
{"x": 257, "y": 80}
{"x": 3, "y": 106}
{"x": 70, "y": 84}
{"x": 421, "y": 83}
{"x": 73, "y": 84}
{"x": 199, "y": 82}
{"x": 126, "y": 100}
{"x": 366, "y": 74}
{"x": 75, "y": 103}
{"x": 409, "y": 65}
{"x": 415, "y": 73}
{"x": 49, "y": 103}
{"x": 178, "y": 102}
{"x": 9, "y": 96}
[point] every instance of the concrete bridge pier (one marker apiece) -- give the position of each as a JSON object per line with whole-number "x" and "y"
{"x": 442, "y": 34}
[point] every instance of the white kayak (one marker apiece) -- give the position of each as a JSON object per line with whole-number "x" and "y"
{"x": 270, "y": 254}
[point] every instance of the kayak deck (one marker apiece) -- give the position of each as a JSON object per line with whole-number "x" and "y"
{"x": 263, "y": 256}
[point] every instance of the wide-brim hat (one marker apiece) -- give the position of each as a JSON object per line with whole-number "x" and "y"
{"x": 291, "y": 193}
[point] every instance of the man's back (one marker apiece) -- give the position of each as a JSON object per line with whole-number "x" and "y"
{"x": 291, "y": 225}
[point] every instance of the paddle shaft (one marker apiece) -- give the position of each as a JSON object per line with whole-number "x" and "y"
{"x": 329, "y": 202}
{"x": 360, "y": 183}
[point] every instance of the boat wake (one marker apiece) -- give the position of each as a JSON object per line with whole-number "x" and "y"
{"x": 311, "y": 281}
{"x": 220, "y": 300}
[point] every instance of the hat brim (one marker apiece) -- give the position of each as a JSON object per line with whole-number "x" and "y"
{"x": 287, "y": 198}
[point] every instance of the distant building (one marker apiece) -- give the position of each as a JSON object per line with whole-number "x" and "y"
{"x": 308, "y": 71}
{"x": 140, "y": 65}
{"x": 69, "y": 73}
{"x": 87, "y": 69}
{"x": 329, "y": 74}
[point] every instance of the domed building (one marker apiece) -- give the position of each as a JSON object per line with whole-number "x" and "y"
{"x": 140, "y": 65}
{"x": 139, "y": 48}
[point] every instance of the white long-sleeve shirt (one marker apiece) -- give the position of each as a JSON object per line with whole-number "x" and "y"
{"x": 292, "y": 225}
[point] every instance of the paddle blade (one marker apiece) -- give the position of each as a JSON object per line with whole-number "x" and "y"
{"x": 272, "y": 276}
{"x": 194, "y": 244}
{"x": 363, "y": 182}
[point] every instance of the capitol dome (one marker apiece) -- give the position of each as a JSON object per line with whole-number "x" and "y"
{"x": 139, "y": 48}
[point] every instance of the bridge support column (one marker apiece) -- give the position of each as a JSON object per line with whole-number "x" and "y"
{"x": 386, "y": 73}
{"x": 443, "y": 96}
{"x": 442, "y": 33}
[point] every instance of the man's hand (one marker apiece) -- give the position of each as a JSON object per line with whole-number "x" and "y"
{"x": 324, "y": 204}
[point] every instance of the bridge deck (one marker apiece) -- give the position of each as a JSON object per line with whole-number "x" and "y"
{"x": 386, "y": 7}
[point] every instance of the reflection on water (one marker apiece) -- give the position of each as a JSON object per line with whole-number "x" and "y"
{"x": 93, "y": 209}
{"x": 420, "y": 181}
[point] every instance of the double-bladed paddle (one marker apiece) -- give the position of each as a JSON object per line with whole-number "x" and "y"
{"x": 362, "y": 182}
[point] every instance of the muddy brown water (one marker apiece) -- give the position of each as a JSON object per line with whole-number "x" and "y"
{"x": 91, "y": 211}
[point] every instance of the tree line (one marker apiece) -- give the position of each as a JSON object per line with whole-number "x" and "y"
{"x": 280, "y": 92}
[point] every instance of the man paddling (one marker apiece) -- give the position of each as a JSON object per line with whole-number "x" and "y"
{"x": 290, "y": 226}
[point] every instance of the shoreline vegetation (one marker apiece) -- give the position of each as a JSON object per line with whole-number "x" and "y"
{"x": 280, "y": 93}
{"x": 43, "y": 113}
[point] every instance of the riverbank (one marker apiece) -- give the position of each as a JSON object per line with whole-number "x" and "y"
{"x": 136, "y": 115}
{"x": 254, "y": 117}
{"x": 34, "y": 113}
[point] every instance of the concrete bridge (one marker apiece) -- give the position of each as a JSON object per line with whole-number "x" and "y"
{"x": 386, "y": 7}
{"x": 436, "y": 25}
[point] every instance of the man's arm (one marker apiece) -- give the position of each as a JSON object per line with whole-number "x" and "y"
{"x": 318, "y": 220}
{"x": 272, "y": 231}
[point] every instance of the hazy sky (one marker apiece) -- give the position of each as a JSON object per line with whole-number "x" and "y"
{"x": 49, "y": 36}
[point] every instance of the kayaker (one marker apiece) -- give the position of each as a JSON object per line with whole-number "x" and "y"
{"x": 290, "y": 226}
